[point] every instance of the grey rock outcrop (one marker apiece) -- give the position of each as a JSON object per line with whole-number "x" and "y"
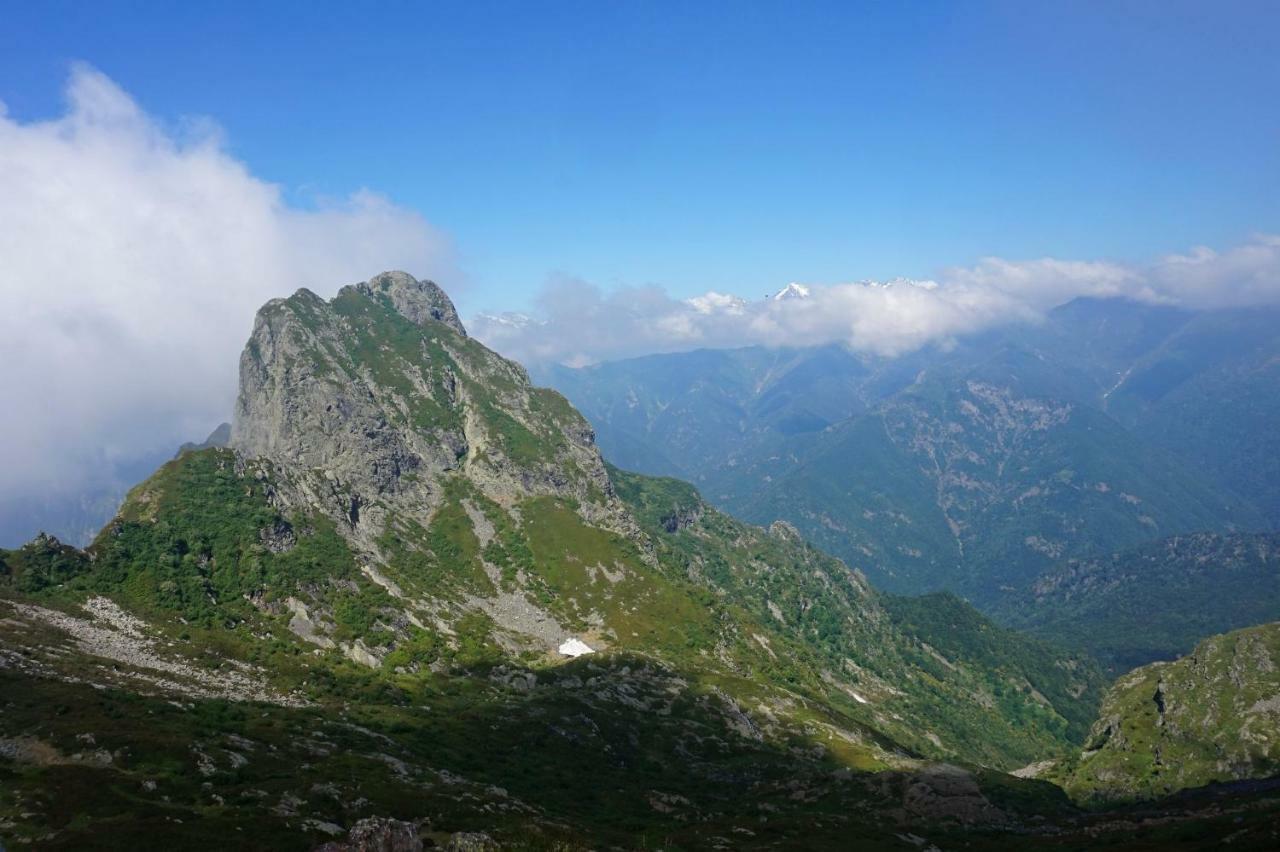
{"x": 364, "y": 404}
{"x": 377, "y": 834}
{"x": 419, "y": 301}
{"x": 322, "y": 416}
{"x": 941, "y": 793}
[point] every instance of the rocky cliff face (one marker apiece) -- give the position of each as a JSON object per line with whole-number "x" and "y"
{"x": 364, "y": 403}
{"x": 418, "y": 301}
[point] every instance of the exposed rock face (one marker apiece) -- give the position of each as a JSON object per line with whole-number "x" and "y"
{"x": 681, "y": 518}
{"x": 292, "y": 410}
{"x": 419, "y": 301}
{"x": 377, "y": 834}
{"x": 366, "y": 401}
{"x": 377, "y": 412}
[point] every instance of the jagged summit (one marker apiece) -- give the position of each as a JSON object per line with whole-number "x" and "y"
{"x": 369, "y": 400}
{"x": 418, "y": 301}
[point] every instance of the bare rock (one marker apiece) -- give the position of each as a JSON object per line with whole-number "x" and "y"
{"x": 377, "y": 834}
{"x": 419, "y": 301}
{"x": 471, "y": 841}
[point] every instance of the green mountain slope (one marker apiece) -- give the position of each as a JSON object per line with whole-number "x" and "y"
{"x": 200, "y": 545}
{"x": 921, "y": 688}
{"x": 1156, "y": 601}
{"x": 1211, "y": 716}
{"x": 950, "y": 633}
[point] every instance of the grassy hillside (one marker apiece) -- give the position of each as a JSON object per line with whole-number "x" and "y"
{"x": 199, "y": 542}
{"x": 205, "y": 713}
{"x": 1212, "y": 716}
{"x": 930, "y": 687}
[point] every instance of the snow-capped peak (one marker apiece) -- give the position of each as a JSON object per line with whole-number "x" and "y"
{"x": 792, "y": 291}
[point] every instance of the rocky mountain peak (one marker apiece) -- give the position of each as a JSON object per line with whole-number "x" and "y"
{"x": 368, "y": 403}
{"x": 418, "y": 301}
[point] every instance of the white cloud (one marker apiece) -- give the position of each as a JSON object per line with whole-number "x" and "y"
{"x": 1242, "y": 276}
{"x": 580, "y": 323}
{"x": 134, "y": 257}
{"x": 712, "y": 302}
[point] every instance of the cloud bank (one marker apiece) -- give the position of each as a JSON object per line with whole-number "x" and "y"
{"x": 577, "y": 323}
{"x": 133, "y": 259}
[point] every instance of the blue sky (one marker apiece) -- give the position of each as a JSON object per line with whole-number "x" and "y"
{"x": 718, "y": 146}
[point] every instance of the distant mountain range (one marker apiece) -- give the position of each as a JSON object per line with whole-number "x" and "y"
{"x": 1154, "y": 601}
{"x": 976, "y": 467}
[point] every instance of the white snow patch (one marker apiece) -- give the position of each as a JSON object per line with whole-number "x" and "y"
{"x": 575, "y": 648}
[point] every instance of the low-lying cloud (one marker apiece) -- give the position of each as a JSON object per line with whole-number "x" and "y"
{"x": 133, "y": 258}
{"x": 578, "y": 323}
